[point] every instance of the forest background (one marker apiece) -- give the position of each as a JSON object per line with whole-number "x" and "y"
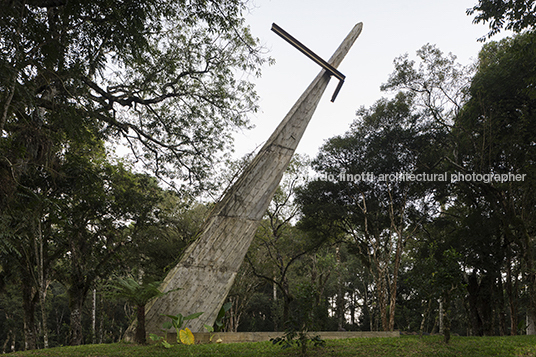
{"x": 165, "y": 80}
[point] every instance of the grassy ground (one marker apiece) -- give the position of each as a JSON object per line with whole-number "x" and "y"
{"x": 385, "y": 347}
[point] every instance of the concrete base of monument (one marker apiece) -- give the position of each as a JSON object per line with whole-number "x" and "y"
{"x": 233, "y": 337}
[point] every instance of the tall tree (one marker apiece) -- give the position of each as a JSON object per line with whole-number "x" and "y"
{"x": 278, "y": 244}
{"x": 487, "y": 111}
{"x": 161, "y": 75}
{"x": 158, "y": 76}
{"x": 495, "y": 135}
{"x": 437, "y": 80}
{"x": 366, "y": 193}
{"x": 103, "y": 205}
{"x": 27, "y": 230}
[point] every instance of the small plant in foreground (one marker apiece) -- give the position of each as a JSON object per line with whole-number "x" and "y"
{"x": 299, "y": 337}
{"x": 155, "y": 337}
{"x": 300, "y": 323}
{"x": 176, "y": 322}
{"x": 210, "y": 330}
{"x": 184, "y": 336}
{"x": 219, "y": 323}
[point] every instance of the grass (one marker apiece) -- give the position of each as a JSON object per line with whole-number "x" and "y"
{"x": 385, "y": 347}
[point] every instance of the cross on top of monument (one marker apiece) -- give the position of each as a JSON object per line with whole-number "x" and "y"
{"x": 302, "y": 48}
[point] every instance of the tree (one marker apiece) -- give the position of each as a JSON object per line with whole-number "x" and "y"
{"x": 517, "y": 15}
{"x": 158, "y": 76}
{"x": 27, "y": 227}
{"x": 103, "y": 206}
{"x": 438, "y": 82}
{"x": 244, "y": 288}
{"x": 278, "y": 244}
{"x": 364, "y": 197}
{"x": 161, "y": 75}
{"x": 487, "y": 111}
{"x": 156, "y": 246}
{"x": 495, "y": 132}
{"x": 138, "y": 295}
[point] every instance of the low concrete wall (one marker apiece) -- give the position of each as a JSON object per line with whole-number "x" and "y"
{"x": 230, "y": 337}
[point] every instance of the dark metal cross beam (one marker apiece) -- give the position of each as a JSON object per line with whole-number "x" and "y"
{"x": 306, "y": 51}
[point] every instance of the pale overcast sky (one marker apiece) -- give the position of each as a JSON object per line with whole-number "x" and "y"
{"x": 390, "y": 29}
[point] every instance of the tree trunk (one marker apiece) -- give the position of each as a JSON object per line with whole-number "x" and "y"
{"x": 501, "y": 308}
{"x": 94, "y": 318}
{"x": 424, "y": 315}
{"x": 531, "y": 327}
{"x": 140, "y": 328}
{"x": 368, "y": 310}
{"x": 531, "y": 314}
{"x": 441, "y": 314}
{"x": 235, "y": 314}
{"x": 76, "y": 301}
{"x": 10, "y": 337}
{"x": 394, "y": 281}
{"x": 353, "y": 309}
{"x": 473, "y": 290}
{"x": 78, "y": 289}
{"x": 42, "y": 283}
{"x": 286, "y": 304}
{"x": 446, "y": 318}
{"x": 511, "y": 291}
{"x": 382, "y": 302}
{"x": 28, "y": 305}
{"x": 42, "y": 298}
{"x": 340, "y": 292}
{"x": 76, "y": 326}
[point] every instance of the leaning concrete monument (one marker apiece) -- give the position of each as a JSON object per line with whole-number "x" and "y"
{"x": 208, "y": 267}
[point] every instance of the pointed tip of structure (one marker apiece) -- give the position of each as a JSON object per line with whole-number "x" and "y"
{"x": 356, "y": 31}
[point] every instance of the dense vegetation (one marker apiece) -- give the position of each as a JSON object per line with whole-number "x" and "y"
{"x": 421, "y": 217}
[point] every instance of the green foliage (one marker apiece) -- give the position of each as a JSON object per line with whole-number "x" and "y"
{"x": 301, "y": 321}
{"x": 174, "y": 94}
{"x": 161, "y": 242}
{"x": 219, "y": 323}
{"x": 184, "y": 336}
{"x": 437, "y": 83}
{"x": 360, "y": 197}
{"x": 162, "y": 75}
{"x": 135, "y": 293}
{"x": 495, "y": 132}
{"x": 515, "y": 15}
{"x": 162, "y": 339}
{"x": 138, "y": 295}
{"x": 177, "y": 321}
{"x": 298, "y": 338}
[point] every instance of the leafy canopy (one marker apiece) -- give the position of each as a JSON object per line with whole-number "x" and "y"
{"x": 161, "y": 76}
{"x": 515, "y": 15}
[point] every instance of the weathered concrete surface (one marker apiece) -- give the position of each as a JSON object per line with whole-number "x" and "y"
{"x": 232, "y": 337}
{"x": 207, "y": 269}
